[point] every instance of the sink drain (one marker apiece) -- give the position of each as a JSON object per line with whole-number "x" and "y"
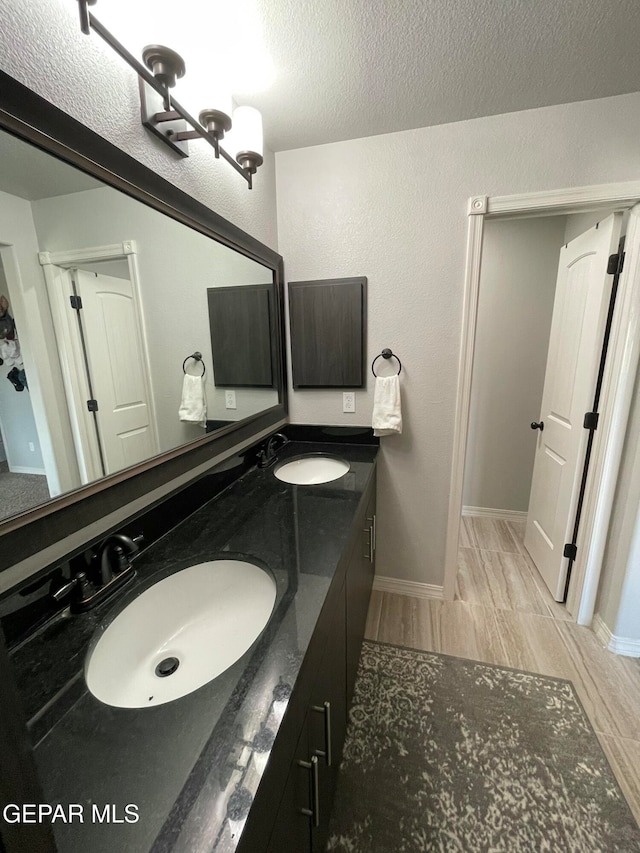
{"x": 167, "y": 667}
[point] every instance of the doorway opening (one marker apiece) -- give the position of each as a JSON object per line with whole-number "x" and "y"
{"x": 23, "y": 480}
{"x": 95, "y": 303}
{"x": 538, "y": 346}
{"x": 497, "y": 408}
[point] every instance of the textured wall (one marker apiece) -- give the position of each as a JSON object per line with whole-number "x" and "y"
{"x": 393, "y": 208}
{"x": 41, "y": 46}
{"x": 517, "y": 288}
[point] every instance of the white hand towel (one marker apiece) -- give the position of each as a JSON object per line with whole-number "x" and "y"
{"x": 193, "y": 407}
{"x": 387, "y": 414}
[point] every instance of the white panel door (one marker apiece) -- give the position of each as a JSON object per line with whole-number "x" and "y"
{"x": 579, "y": 315}
{"x": 117, "y": 368}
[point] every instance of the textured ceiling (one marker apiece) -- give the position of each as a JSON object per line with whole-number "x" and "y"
{"x": 352, "y": 68}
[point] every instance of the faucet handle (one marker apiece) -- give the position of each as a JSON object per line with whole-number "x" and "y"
{"x": 79, "y": 582}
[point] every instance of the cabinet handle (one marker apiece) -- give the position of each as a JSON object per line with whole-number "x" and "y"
{"x": 375, "y": 536}
{"x": 315, "y": 785}
{"x": 371, "y": 531}
{"x": 313, "y": 812}
{"x": 367, "y": 554}
{"x": 326, "y": 710}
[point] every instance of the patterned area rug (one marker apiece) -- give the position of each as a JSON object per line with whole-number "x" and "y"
{"x": 446, "y": 754}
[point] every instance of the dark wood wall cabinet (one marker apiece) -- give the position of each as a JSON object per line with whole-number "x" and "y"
{"x": 241, "y": 322}
{"x": 328, "y": 332}
{"x": 291, "y": 811}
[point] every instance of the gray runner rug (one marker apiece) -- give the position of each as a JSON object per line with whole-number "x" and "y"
{"x": 447, "y": 754}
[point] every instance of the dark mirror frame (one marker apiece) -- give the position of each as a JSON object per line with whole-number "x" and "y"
{"x": 33, "y": 119}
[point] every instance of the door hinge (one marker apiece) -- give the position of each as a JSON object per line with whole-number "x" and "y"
{"x": 570, "y": 551}
{"x": 76, "y": 302}
{"x": 616, "y": 263}
{"x": 92, "y": 405}
{"x": 591, "y": 420}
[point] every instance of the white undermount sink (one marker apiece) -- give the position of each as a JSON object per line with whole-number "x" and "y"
{"x": 311, "y": 470}
{"x": 180, "y": 633}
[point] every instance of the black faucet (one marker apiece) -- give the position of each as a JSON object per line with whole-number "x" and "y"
{"x": 115, "y": 570}
{"x": 267, "y": 455}
{"x": 116, "y": 547}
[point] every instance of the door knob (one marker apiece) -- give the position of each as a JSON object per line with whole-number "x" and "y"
{"x": 536, "y": 425}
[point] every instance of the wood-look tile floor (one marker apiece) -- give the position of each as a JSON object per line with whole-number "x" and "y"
{"x": 504, "y": 614}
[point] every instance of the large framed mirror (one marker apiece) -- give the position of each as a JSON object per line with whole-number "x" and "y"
{"x": 109, "y": 316}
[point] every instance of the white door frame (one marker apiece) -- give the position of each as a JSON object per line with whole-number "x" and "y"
{"x": 70, "y": 349}
{"x": 619, "y": 379}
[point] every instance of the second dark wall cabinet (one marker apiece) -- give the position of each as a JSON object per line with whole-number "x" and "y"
{"x": 328, "y": 325}
{"x": 240, "y": 321}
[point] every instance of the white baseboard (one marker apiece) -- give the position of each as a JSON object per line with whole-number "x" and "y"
{"x": 24, "y": 469}
{"x": 400, "y": 587}
{"x": 498, "y": 514}
{"x": 626, "y": 646}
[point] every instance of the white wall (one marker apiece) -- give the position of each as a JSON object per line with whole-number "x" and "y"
{"x": 41, "y": 46}
{"x": 176, "y": 265}
{"x": 393, "y": 207}
{"x": 517, "y": 287}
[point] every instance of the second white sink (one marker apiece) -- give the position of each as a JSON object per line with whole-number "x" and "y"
{"x": 180, "y": 633}
{"x": 312, "y": 470}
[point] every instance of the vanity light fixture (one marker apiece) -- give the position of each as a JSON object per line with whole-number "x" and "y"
{"x": 281, "y": 695}
{"x": 238, "y": 807}
{"x": 168, "y": 120}
{"x": 262, "y": 744}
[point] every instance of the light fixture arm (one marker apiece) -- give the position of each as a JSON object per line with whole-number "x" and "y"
{"x": 173, "y": 110}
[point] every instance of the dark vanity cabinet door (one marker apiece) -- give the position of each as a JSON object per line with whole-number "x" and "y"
{"x": 359, "y": 583}
{"x": 318, "y": 707}
{"x": 328, "y": 321}
{"x": 328, "y": 720}
{"x": 240, "y": 321}
{"x": 292, "y": 829}
{"x": 302, "y": 823}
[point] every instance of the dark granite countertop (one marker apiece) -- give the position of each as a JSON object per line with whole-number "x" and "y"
{"x": 180, "y": 762}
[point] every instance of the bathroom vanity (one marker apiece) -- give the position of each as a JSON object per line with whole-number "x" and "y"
{"x": 248, "y": 761}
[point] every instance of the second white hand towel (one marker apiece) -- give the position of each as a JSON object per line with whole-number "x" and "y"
{"x": 387, "y": 412}
{"x": 193, "y": 407}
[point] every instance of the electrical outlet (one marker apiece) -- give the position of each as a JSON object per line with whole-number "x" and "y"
{"x": 32, "y": 447}
{"x": 349, "y": 401}
{"x": 230, "y": 399}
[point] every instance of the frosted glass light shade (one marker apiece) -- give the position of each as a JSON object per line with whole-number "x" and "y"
{"x": 247, "y": 130}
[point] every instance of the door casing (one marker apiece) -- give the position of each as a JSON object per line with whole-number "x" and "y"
{"x": 619, "y": 379}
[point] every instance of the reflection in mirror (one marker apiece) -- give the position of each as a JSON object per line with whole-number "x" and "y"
{"x": 102, "y": 302}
